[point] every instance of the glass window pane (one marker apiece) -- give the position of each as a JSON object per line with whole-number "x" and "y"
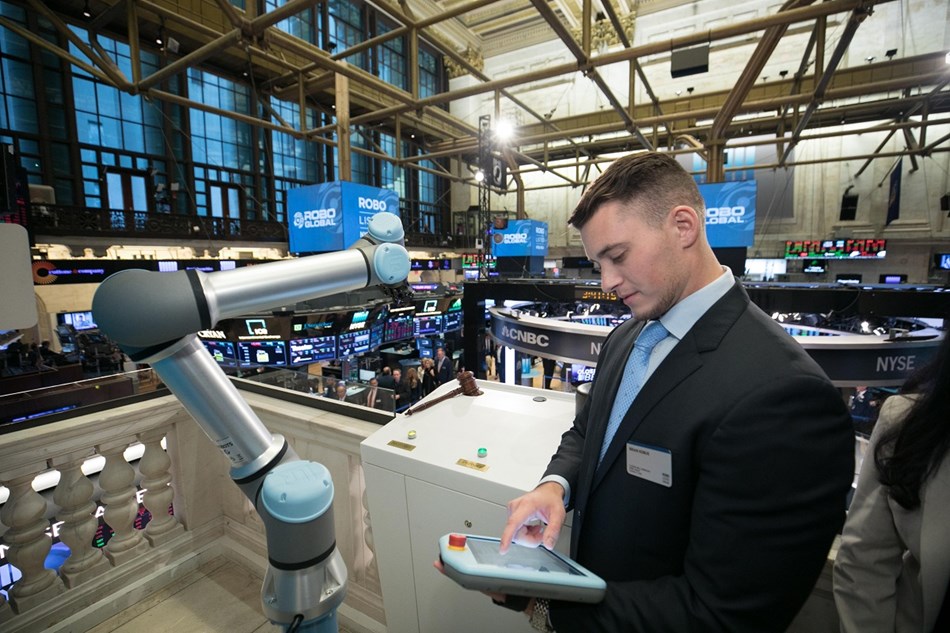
{"x": 114, "y": 188}
{"x": 139, "y": 197}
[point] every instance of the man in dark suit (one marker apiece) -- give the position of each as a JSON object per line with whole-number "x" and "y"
{"x": 377, "y": 398}
{"x": 400, "y": 391}
{"x": 443, "y": 367}
{"x": 386, "y": 378}
{"x": 712, "y": 503}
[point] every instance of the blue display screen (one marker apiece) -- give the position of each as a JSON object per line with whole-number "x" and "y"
{"x": 256, "y": 353}
{"x": 309, "y": 350}
{"x": 223, "y": 352}
{"x": 352, "y": 343}
{"x": 424, "y": 324}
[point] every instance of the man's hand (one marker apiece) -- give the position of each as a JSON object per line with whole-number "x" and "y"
{"x": 535, "y": 518}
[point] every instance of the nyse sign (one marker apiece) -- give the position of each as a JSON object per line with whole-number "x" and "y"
{"x": 886, "y": 364}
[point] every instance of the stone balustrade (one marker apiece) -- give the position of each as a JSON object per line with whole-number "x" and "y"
{"x": 210, "y": 517}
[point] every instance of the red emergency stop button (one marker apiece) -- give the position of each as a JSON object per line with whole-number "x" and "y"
{"x": 457, "y": 542}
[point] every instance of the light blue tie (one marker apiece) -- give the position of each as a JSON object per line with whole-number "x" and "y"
{"x": 632, "y": 379}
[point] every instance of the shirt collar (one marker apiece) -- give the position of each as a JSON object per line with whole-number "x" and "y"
{"x": 681, "y": 317}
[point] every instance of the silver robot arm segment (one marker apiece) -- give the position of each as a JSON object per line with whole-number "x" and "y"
{"x": 152, "y": 316}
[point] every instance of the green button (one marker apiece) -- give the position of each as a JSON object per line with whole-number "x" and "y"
{"x": 482, "y": 452}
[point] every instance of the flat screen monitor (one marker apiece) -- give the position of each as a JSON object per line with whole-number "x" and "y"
{"x": 942, "y": 261}
{"x": 79, "y": 320}
{"x": 398, "y": 327}
{"x": 814, "y": 267}
{"x": 426, "y": 324}
{"x": 892, "y": 279}
{"x": 582, "y": 373}
{"x": 425, "y": 347}
{"x": 452, "y": 321}
{"x": 836, "y": 249}
{"x": 304, "y": 351}
{"x": 376, "y": 336}
{"x": 470, "y": 274}
{"x": 353, "y": 343}
{"x": 257, "y": 353}
{"x": 848, "y": 278}
{"x": 358, "y": 320}
{"x": 223, "y": 352}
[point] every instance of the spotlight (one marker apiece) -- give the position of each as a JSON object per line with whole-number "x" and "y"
{"x": 86, "y": 13}
{"x": 869, "y": 58}
{"x": 890, "y": 53}
{"x": 503, "y": 130}
{"x": 479, "y": 176}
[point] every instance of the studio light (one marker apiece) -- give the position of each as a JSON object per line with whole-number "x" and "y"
{"x": 504, "y": 130}
{"x": 86, "y": 13}
{"x": 479, "y": 176}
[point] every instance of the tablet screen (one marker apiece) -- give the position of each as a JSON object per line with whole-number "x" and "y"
{"x": 518, "y": 557}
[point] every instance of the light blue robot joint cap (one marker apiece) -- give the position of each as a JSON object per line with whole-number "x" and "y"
{"x": 297, "y": 492}
{"x": 385, "y": 227}
{"x": 391, "y": 262}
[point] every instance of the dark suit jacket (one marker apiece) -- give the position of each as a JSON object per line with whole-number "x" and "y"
{"x": 401, "y": 389}
{"x": 445, "y": 374}
{"x": 762, "y": 458}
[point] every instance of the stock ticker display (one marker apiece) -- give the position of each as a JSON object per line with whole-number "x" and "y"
{"x": 835, "y": 249}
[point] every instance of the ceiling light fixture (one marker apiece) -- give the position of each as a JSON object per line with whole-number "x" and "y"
{"x": 86, "y": 13}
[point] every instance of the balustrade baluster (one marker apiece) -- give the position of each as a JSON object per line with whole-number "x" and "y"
{"x": 121, "y": 507}
{"x": 156, "y": 478}
{"x": 372, "y": 571}
{"x": 77, "y": 511}
{"x": 24, "y": 514}
{"x": 6, "y": 613}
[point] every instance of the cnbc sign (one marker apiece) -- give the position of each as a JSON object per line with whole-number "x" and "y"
{"x": 333, "y": 215}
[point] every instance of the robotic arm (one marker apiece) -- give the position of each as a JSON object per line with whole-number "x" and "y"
{"x": 153, "y": 316}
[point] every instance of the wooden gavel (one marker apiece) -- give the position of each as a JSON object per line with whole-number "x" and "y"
{"x": 467, "y": 386}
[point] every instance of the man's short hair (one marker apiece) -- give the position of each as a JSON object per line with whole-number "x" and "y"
{"x": 656, "y": 181}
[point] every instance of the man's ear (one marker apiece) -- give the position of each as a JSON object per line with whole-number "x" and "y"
{"x": 688, "y": 224}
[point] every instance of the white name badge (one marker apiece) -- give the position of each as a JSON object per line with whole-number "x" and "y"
{"x": 651, "y": 463}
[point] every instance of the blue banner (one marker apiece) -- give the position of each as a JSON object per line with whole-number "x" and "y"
{"x": 894, "y": 194}
{"x": 521, "y": 238}
{"x": 730, "y": 213}
{"x": 332, "y": 215}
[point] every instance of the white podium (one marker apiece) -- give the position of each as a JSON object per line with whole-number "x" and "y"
{"x": 419, "y": 489}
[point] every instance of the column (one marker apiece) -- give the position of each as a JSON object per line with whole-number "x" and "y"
{"x": 159, "y": 495}
{"x": 77, "y": 511}
{"x": 119, "y": 498}
{"x": 25, "y": 515}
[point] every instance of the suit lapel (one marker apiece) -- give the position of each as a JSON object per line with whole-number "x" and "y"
{"x": 684, "y": 359}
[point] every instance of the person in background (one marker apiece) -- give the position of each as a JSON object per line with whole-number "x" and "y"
{"x": 414, "y": 384}
{"x": 386, "y": 377}
{"x": 443, "y": 367}
{"x": 375, "y": 398}
{"x": 428, "y": 376}
{"x": 400, "y": 391}
{"x": 340, "y": 392}
{"x": 709, "y": 468}
{"x": 893, "y": 566}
